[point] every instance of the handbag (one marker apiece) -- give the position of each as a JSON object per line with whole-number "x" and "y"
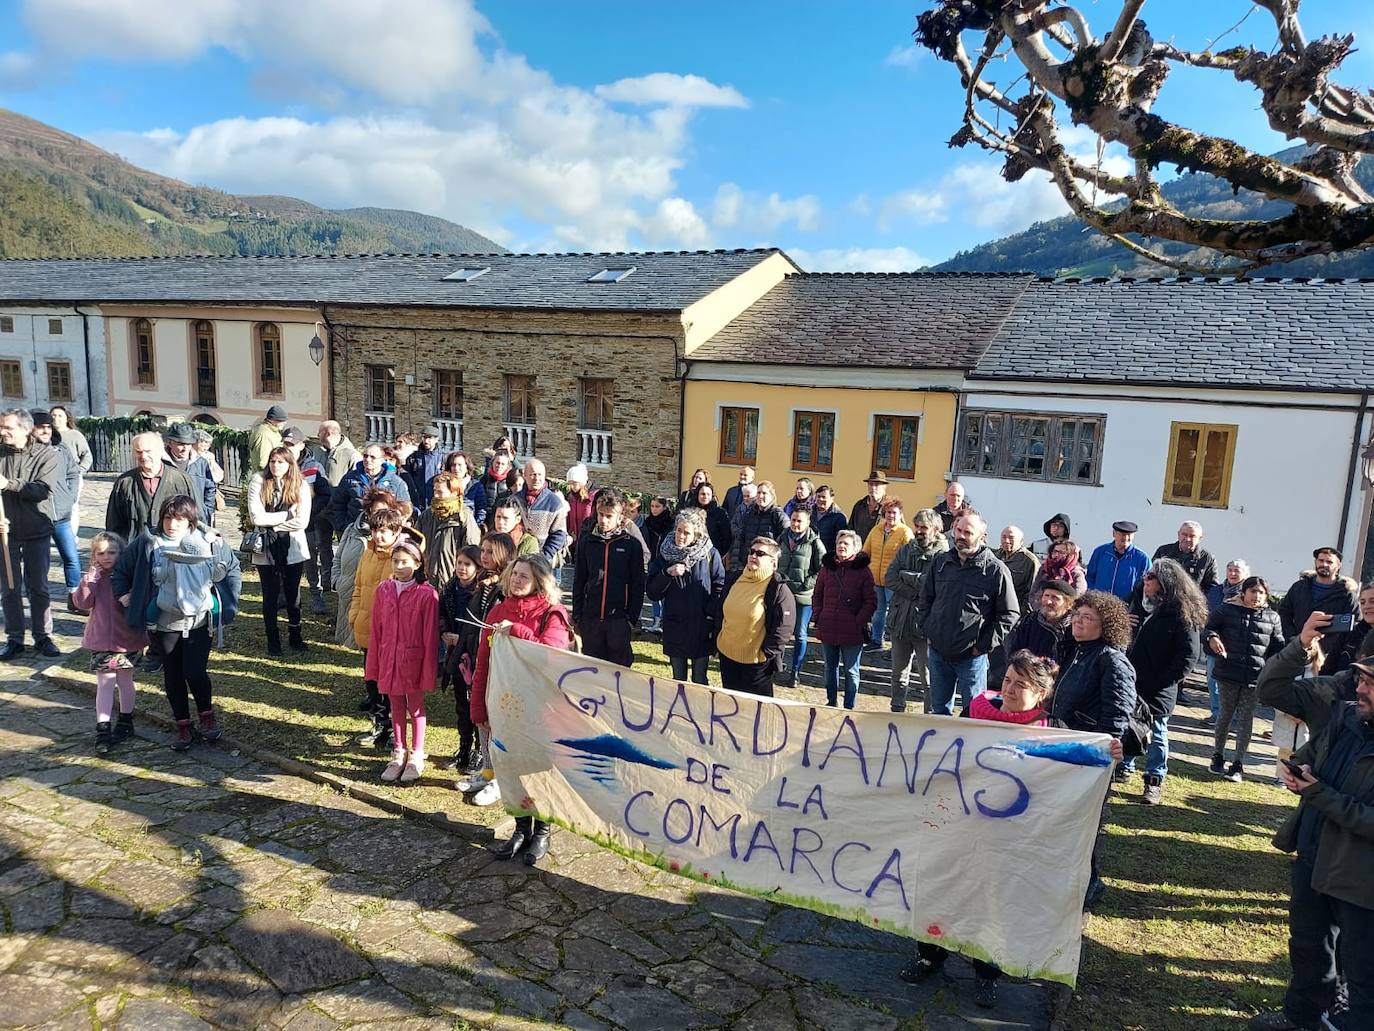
{"x": 1135, "y": 739}
{"x": 252, "y": 543}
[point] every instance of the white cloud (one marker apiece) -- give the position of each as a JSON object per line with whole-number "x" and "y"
{"x": 859, "y": 259}
{"x": 916, "y": 206}
{"x": 17, "y": 71}
{"x": 907, "y": 55}
{"x": 748, "y": 212}
{"x": 667, "y": 88}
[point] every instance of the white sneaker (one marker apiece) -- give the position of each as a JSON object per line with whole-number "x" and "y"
{"x": 415, "y": 765}
{"x": 489, "y": 795}
{"x": 394, "y": 768}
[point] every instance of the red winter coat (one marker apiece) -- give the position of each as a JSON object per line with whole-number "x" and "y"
{"x": 529, "y": 623}
{"x": 403, "y": 648}
{"x": 844, "y": 600}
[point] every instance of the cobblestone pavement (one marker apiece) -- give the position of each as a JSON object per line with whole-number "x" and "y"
{"x": 149, "y": 889}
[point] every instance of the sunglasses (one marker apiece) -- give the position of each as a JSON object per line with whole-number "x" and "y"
{"x": 760, "y": 553}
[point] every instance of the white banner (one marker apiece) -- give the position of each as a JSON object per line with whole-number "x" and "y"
{"x": 971, "y": 834}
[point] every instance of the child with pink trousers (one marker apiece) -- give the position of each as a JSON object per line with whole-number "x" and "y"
{"x": 403, "y": 655}
{"x": 113, "y": 644}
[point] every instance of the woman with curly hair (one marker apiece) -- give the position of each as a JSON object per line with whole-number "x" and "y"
{"x": 1096, "y": 691}
{"x": 1169, "y": 611}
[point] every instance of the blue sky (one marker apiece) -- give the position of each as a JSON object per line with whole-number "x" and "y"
{"x": 813, "y": 126}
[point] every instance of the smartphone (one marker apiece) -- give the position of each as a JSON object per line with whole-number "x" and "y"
{"x": 1294, "y": 768}
{"x": 1341, "y": 624}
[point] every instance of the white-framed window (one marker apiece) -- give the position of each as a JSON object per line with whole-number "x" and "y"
{"x": 1054, "y": 447}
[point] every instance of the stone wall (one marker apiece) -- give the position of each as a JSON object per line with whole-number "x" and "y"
{"x": 636, "y": 351}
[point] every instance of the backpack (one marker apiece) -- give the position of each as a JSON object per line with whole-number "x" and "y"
{"x": 225, "y": 594}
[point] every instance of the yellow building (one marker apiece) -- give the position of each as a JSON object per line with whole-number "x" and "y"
{"x": 831, "y": 376}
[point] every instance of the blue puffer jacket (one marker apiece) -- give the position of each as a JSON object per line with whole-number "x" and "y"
{"x": 346, "y": 500}
{"x": 690, "y": 603}
{"x": 1096, "y": 691}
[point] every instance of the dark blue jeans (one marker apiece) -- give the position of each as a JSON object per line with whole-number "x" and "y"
{"x": 1315, "y": 922}
{"x": 842, "y": 660}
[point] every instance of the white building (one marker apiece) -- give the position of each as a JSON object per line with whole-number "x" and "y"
{"x": 51, "y": 356}
{"x": 1242, "y": 405}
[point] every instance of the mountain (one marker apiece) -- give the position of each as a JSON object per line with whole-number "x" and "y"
{"x": 1065, "y": 247}
{"x": 61, "y": 196}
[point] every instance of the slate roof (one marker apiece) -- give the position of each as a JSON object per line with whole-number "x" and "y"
{"x": 903, "y": 320}
{"x": 1291, "y": 334}
{"x": 664, "y": 281}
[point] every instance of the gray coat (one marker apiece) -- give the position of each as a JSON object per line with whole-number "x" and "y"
{"x": 903, "y": 581}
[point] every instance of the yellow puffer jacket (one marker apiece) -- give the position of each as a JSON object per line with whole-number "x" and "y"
{"x": 881, "y": 551}
{"x": 374, "y": 566}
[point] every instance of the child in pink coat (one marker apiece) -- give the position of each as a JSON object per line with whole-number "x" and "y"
{"x": 403, "y": 655}
{"x": 113, "y": 644}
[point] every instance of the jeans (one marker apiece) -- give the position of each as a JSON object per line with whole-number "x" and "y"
{"x": 1157, "y": 755}
{"x": 31, "y": 560}
{"x": 64, "y": 539}
{"x": 908, "y": 657}
{"x": 1322, "y": 980}
{"x": 880, "y": 617}
{"x": 699, "y": 663}
{"x": 1213, "y": 695}
{"x": 656, "y": 610}
{"x": 799, "y": 637}
{"x": 846, "y": 656}
{"x": 970, "y": 675}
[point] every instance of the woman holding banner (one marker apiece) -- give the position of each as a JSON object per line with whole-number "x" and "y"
{"x": 530, "y": 610}
{"x": 757, "y": 615}
{"x": 1096, "y": 690}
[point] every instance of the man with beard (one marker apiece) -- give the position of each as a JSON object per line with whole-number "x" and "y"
{"x": 1321, "y": 589}
{"x": 28, "y": 472}
{"x": 903, "y": 581}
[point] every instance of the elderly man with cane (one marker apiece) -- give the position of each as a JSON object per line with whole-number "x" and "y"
{"x": 28, "y": 470}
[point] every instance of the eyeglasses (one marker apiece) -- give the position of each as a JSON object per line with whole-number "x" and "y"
{"x": 1151, "y": 576}
{"x": 760, "y": 553}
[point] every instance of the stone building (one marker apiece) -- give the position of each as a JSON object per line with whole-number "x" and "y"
{"x": 576, "y": 357}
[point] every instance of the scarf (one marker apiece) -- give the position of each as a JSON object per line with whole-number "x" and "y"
{"x": 688, "y": 556}
{"x": 983, "y": 709}
{"x": 446, "y": 508}
{"x": 1060, "y": 567}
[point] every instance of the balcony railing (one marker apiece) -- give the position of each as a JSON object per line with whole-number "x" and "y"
{"x": 381, "y": 427}
{"x": 522, "y": 438}
{"x": 205, "y": 388}
{"x": 594, "y": 447}
{"x": 450, "y": 434}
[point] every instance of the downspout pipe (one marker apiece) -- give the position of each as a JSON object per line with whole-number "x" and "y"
{"x": 86, "y": 350}
{"x": 1352, "y": 472}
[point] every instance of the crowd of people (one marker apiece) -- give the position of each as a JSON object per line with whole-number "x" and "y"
{"x": 424, "y": 550}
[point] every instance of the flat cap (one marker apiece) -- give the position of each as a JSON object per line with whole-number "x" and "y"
{"x": 1124, "y": 526}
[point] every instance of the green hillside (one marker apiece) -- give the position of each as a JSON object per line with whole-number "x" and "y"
{"x": 1065, "y": 247}
{"x": 63, "y": 197}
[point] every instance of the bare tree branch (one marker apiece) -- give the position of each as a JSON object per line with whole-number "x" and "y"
{"x": 1112, "y": 87}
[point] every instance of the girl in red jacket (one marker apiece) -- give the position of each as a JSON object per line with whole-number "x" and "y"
{"x": 403, "y": 655}
{"x": 530, "y": 610}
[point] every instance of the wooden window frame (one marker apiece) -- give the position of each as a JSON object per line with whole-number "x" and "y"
{"x": 817, "y": 417}
{"x": 6, "y": 323}
{"x": 52, "y": 365}
{"x": 388, "y": 386}
{"x": 968, "y": 460}
{"x": 894, "y": 471}
{"x": 260, "y": 339}
{"x": 209, "y": 334}
{"x": 440, "y": 412}
{"x": 135, "y": 332}
{"x": 1176, "y": 429}
{"x": 603, "y": 389}
{"x": 16, "y": 366}
{"x": 61, "y": 329}
{"x": 742, "y": 456}
{"x": 526, "y": 386}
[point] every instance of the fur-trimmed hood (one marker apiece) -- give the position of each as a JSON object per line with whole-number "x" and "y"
{"x": 859, "y": 561}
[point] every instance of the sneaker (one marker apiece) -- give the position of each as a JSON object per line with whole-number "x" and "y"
{"x": 477, "y": 763}
{"x": 415, "y": 766}
{"x": 151, "y": 664}
{"x": 1218, "y": 764}
{"x": 1236, "y": 773}
{"x": 393, "y": 769}
{"x": 919, "y": 969}
{"x": 985, "y": 992}
{"x": 490, "y": 794}
{"x": 1277, "y": 1020}
{"x": 1154, "y": 791}
{"x": 11, "y": 650}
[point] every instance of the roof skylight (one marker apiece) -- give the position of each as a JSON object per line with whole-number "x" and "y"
{"x": 611, "y": 275}
{"x": 466, "y": 275}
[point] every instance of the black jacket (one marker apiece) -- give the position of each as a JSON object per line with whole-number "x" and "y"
{"x": 1036, "y": 636}
{"x": 967, "y": 604}
{"x": 68, "y": 482}
{"x": 861, "y": 520}
{"x": 1199, "y": 563}
{"x": 690, "y": 604}
{"x": 460, "y": 609}
{"x": 718, "y": 527}
{"x": 780, "y": 616}
{"x": 31, "y": 473}
{"x": 1096, "y": 690}
{"x": 1250, "y": 637}
{"x": 1164, "y": 650}
{"x": 757, "y": 522}
{"x": 1298, "y": 604}
{"x": 608, "y": 578}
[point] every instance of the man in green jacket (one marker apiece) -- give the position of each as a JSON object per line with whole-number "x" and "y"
{"x": 137, "y": 496}
{"x": 263, "y": 436}
{"x": 1332, "y": 833}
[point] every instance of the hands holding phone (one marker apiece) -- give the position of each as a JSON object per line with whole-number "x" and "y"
{"x": 1296, "y": 777}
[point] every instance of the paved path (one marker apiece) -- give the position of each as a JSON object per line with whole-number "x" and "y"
{"x": 163, "y": 891}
